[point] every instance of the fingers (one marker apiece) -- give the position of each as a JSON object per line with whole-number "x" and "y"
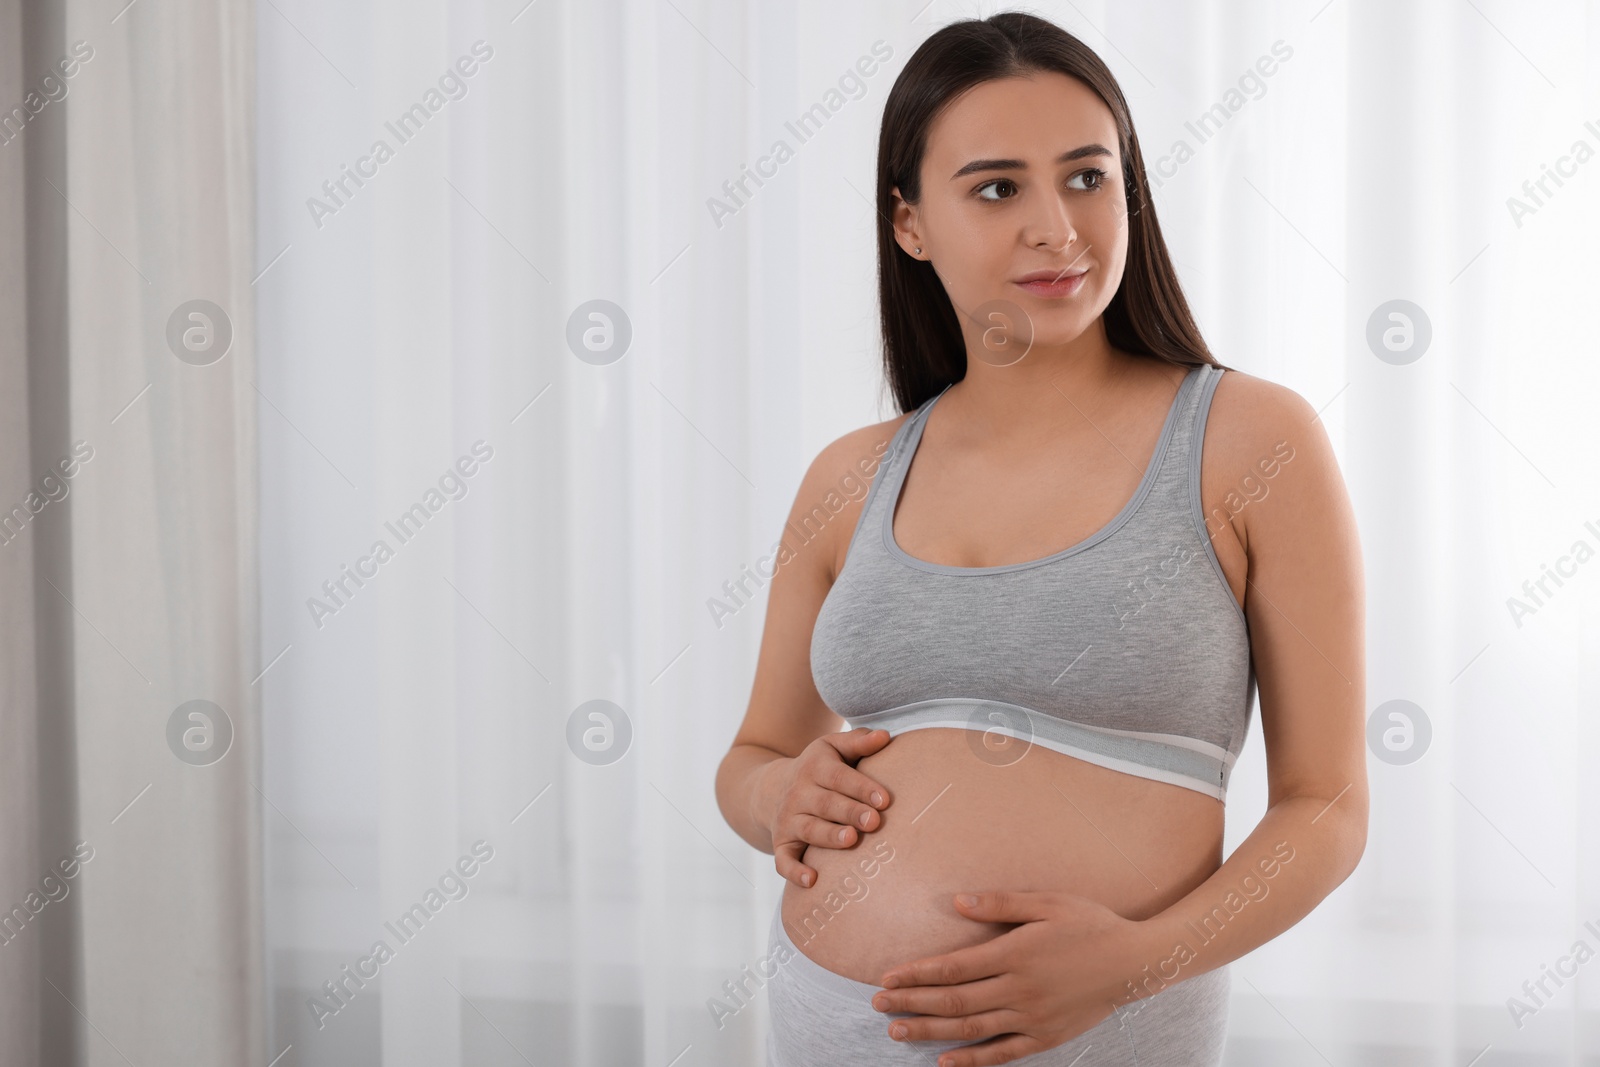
{"x": 967, "y": 1028}
{"x": 843, "y": 777}
{"x": 974, "y": 963}
{"x": 1010, "y": 905}
{"x": 815, "y": 831}
{"x": 787, "y": 859}
{"x": 858, "y": 743}
{"x": 994, "y": 1051}
{"x": 850, "y": 782}
{"x": 835, "y": 805}
{"x": 951, "y": 1003}
{"x": 802, "y": 830}
{"x": 829, "y": 804}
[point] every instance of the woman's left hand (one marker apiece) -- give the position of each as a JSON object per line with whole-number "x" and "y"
{"x": 1066, "y": 968}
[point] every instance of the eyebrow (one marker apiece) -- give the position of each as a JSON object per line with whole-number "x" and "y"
{"x": 1017, "y": 164}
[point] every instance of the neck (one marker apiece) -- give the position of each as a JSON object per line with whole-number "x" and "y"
{"x": 999, "y": 396}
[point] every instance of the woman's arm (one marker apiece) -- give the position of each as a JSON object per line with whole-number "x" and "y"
{"x": 1305, "y": 604}
{"x": 786, "y": 713}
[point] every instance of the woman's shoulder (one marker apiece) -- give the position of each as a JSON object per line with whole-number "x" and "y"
{"x": 835, "y": 485}
{"x": 847, "y": 465}
{"x": 1252, "y": 417}
{"x": 856, "y": 453}
{"x": 1263, "y": 437}
{"x": 1244, "y": 397}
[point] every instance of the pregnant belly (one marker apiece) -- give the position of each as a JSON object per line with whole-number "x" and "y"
{"x": 959, "y": 822}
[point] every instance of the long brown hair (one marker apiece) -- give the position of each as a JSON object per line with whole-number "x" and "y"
{"x": 923, "y": 348}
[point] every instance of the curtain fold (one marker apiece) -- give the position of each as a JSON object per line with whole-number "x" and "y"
{"x": 130, "y": 855}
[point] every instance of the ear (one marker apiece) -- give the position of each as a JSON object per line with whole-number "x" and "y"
{"x": 904, "y": 218}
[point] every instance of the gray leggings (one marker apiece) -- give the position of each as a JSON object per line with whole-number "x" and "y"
{"x": 823, "y": 1019}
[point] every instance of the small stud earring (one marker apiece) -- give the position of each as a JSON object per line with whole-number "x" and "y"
{"x": 919, "y": 250}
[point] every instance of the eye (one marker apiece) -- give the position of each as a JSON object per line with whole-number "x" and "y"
{"x": 990, "y": 185}
{"x": 1095, "y": 173}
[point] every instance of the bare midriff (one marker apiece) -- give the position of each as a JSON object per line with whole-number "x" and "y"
{"x": 964, "y": 820}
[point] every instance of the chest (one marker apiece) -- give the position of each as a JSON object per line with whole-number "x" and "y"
{"x": 979, "y": 515}
{"x": 1131, "y": 639}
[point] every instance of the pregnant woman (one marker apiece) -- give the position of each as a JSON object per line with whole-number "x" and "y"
{"x": 1021, "y": 665}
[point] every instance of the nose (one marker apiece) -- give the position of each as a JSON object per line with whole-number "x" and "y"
{"x": 1051, "y": 228}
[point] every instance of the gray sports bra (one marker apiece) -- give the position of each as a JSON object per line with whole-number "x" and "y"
{"x": 1126, "y": 650}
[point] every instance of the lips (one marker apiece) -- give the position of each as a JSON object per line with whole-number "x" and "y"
{"x": 1060, "y": 274}
{"x": 1052, "y": 283}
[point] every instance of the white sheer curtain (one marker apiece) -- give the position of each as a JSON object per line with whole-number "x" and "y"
{"x": 442, "y": 302}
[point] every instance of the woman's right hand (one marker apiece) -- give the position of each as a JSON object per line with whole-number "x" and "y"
{"x": 819, "y": 798}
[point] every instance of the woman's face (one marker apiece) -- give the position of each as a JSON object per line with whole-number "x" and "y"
{"x": 1021, "y": 176}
